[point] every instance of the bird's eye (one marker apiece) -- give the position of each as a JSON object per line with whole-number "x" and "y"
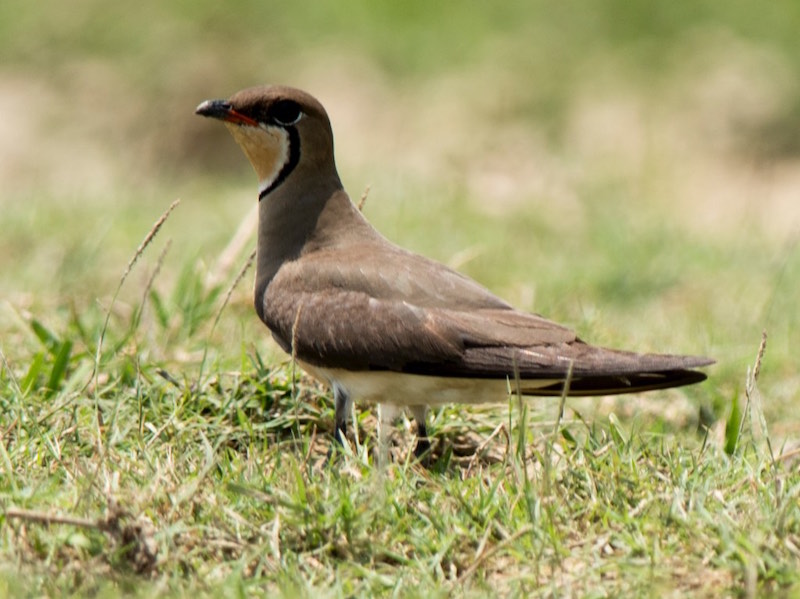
{"x": 286, "y": 112}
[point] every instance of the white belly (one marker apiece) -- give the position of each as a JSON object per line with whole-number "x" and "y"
{"x": 400, "y": 389}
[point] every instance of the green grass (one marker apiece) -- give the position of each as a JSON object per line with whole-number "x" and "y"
{"x": 615, "y": 167}
{"x": 219, "y": 486}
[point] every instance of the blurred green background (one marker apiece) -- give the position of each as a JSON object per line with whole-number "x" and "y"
{"x": 629, "y": 168}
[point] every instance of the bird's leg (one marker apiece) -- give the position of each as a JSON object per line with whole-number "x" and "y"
{"x": 423, "y": 448}
{"x": 342, "y": 407}
{"x": 386, "y": 416}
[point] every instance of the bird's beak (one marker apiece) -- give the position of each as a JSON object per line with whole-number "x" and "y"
{"x": 222, "y": 110}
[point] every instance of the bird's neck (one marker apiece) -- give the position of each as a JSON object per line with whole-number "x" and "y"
{"x": 306, "y": 220}
{"x": 284, "y": 224}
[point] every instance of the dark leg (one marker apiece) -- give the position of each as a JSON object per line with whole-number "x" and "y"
{"x": 342, "y": 406}
{"x": 423, "y": 449}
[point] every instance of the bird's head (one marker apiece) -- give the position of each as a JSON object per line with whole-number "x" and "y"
{"x": 280, "y": 129}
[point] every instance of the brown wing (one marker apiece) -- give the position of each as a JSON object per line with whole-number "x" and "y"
{"x": 394, "y": 310}
{"x": 353, "y": 331}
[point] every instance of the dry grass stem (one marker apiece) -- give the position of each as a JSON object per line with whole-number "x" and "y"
{"x": 147, "y": 239}
{"x": 228, "y": 256}
{"x": 242, "y": 271}
{"x": 499, "y": 429}
{"x": 49, "y": 518}
{"x": 149, "y": 285}
{"x": 136, "y": 537}
{"x": 485, "y": 555}
{"x": 752, "y": 407}
{"x": 295, "y": 326}
{"x": 10, "y": 373}
{"x": 137, "y": 254}
{"x": 363, "y": 199}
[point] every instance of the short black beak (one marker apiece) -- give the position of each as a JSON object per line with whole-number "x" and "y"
{"x": 218, "y": 109}
{"x": 222, "y": 110}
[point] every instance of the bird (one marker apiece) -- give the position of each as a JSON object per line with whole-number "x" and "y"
{"x": 379, "y": 324}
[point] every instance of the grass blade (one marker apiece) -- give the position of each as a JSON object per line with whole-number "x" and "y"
{"x": 59, "y": 366}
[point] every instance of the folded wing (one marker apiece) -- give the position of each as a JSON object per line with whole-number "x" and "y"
{"x": 355, "y": 331}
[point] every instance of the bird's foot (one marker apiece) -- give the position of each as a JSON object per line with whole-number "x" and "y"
{"x": 422, "y": 451}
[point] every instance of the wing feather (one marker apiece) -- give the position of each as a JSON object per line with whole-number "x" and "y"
{"x": 424, "y": 318}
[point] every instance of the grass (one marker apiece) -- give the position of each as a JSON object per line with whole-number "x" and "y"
{"x": 152, "y": 439}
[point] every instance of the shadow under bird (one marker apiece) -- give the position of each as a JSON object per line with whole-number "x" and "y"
{"x": 378, "y": 323}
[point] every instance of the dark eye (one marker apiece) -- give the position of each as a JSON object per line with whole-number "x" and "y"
{"x": 285, "y": 112}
